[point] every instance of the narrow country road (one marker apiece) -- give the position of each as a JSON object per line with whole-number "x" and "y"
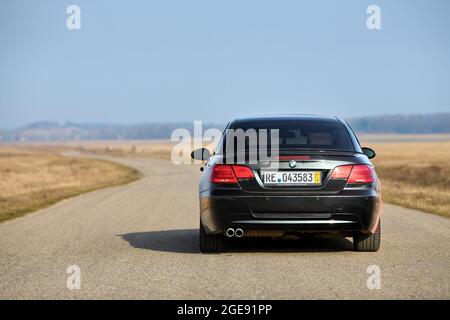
{"x": 140, "y": 241}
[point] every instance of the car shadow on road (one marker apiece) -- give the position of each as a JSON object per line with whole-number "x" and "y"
{"x": 186, "y": 241}
{"x": 177, "y": 241}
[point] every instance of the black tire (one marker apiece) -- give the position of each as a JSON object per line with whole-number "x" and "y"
{"x": 210, "y": 243}
{"x": 367, "y": 242}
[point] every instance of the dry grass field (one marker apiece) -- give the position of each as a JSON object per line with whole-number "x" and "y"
{"x": 31, "y": 179}
{"x": 155, "y": 149}
{"x": 415, "y": 174}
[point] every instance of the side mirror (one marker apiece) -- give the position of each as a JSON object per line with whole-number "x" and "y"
{"x": 201, "y": 154}
{"x": 368, "y": 152}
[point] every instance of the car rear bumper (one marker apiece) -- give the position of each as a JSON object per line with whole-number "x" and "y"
{"x": 326, "y": 213}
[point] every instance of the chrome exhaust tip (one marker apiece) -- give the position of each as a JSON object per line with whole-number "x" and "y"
{"x": 230, "y": 232}
{"x": 239, "y": 233}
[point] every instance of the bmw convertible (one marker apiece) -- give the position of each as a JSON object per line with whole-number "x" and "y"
{"x": 281, "y": 175}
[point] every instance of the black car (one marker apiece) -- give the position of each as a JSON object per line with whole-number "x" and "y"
{"x": 312, "y": 179}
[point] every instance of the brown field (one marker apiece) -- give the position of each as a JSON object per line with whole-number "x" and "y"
{"x": 31, "y": 179}
{"x": 415, "y": 174}
{"x": 155, "y": 149}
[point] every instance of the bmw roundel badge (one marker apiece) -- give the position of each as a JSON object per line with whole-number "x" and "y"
{"x": 292, "y": 163}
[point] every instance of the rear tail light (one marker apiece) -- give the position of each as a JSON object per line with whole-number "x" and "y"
{"x": 341, "y": 172}
{"x": 359, "y": 173}
{"x": 223, "y": 173}
{"x": 243, "y": 172}
{"x": 226, "y": 173}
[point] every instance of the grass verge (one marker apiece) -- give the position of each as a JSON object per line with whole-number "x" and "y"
{"x": 33, "y": 179}
{"x": 415, "y": 174}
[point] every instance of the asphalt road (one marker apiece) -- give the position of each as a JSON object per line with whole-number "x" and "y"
{"x": 140, "y": 241}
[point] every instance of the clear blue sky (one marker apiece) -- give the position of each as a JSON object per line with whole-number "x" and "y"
{"x": 142, "y": 61}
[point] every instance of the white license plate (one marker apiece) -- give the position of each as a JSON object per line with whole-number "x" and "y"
{"x": 291, "y": 177}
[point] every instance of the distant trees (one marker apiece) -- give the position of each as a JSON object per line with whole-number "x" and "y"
{"x": 50, "y": 131}
{"x": 413, "y": 123}
{"x": 46, "y": 130}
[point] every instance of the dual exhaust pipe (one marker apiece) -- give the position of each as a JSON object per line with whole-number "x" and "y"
{"x": 238, "y": 233}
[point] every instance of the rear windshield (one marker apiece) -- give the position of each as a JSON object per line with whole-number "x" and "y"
{"x": 295, "y": 134}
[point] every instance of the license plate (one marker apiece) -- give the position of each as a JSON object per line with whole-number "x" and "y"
{"x": 291, "y": 177}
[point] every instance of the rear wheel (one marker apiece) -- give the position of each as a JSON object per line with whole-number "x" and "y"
{"x": 210, "y": 242}
{"x": 368, "y": 242}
